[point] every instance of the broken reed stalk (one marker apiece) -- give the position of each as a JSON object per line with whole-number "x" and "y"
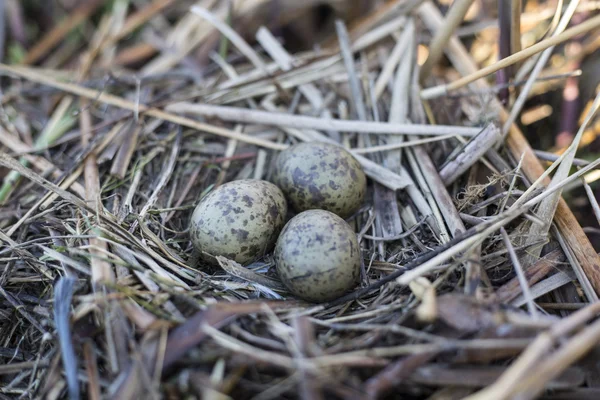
{"x": 471, "y": 153}
{"x": 453, "y": 19}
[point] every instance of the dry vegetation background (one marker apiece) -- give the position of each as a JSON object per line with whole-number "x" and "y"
{"x": 480, "y": 277}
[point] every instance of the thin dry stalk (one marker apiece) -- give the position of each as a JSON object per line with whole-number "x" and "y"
{"x": 232, "y": 35}
{"x": 541, "y": 62}
{"x": 484, "y": 231}
{"x": 593, "y": 200}
{"x": 91, "y": 365}
{"x": 533, "y": 275}
{"x": 102, "y": 271}
{"x": 453, "y": 19}
{"x": 582, "y": 28}
{"x": 120, "y": 165}
{"x": 548, "y": 207}
{"x": 582, "y": 278}
{"x": 285, "y": 61}
{"x": 392, "y": 61}
{"x": 515, "y": 26}
{"x": 520, "y": 274}
{"x": 345, "y": 49}
{"x": 237, "y": 114}
{"x": 17, "y": 146}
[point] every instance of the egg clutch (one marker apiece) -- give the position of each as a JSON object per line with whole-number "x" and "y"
{"x": 317, "y": 255}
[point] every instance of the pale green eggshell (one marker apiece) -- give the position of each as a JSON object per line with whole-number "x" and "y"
{"x": 239, "y": 220}
{"x": 317, "y": 175}
{"x": 317, "y": 256}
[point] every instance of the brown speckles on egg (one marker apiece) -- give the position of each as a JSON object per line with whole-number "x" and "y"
{"x": 318, "y": 175}
{"x": 317, "y": 256}
{"x": 230, "y": 220}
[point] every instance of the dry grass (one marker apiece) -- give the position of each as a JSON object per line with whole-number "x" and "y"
{"x": 477, "y": 280}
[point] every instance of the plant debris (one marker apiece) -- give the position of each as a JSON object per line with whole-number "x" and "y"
{"x": 476, "y": 125}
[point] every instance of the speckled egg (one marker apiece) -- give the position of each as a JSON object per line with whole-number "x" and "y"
{"x": 317, "y": 256}
{"x": 239, "y": 220}
{"x": 317, "y": 175}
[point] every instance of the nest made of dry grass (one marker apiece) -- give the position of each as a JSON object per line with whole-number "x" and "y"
{"x": 473, "y": 269}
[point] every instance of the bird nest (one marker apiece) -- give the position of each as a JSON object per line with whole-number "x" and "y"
{"x": 476, "y": 278}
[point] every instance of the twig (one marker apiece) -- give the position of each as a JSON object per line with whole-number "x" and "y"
{"x": 579, "y": 345}
{"x": 136, "y": 20}
{"x": 285, "y": 61}
{"x": 504, "y": 49}
{"x": 373, "y": 170}
{"x": 232, "y": 35}
{"x": 18, "y": 306}
{"x": 101, "y": 270}
{"x": 547, "y": 156}
{"x": 17, "y": 146}
{"x": 56, "y": 127}
{"x": 584, "y": 282}
{"x": 403, "y": 235}
{"x": 545, "y": 286}
{"x": 91, "y": 365}
{"x": 398, "y": 145}
{"x": 304, "y": 338}
{"x": 388, "y": 69}
{"x": 593, "y": 200}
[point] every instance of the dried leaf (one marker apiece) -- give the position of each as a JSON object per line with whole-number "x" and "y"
{"x": 466, "y": 314}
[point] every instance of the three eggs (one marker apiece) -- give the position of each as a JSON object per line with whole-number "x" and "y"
{"x": 317, "y": 255}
